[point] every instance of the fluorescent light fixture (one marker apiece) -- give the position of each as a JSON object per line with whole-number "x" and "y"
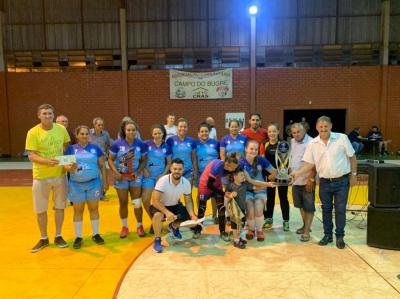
{"x": 253, "y": 10}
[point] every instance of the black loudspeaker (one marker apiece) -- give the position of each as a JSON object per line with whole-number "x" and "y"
{"x": 384, "y": 185}
{"x": 383, "y": 228}
{"x": 362, "y": 167}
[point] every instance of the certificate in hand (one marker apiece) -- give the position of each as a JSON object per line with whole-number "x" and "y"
{"x": 66, "y": 159}
{"x": 192, "y": 222}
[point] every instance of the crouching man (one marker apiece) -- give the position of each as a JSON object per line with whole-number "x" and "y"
{"x": 165, "y": 203}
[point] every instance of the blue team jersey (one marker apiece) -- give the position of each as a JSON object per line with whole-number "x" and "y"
{"x": 87, "y": 162}
{"x": 182, "y": 149}
{"x": 234, "y": 145}
{"x": 128, "y": 155}
{"x": 262, "y": 163}
{"x": 156, "y": 158}
{"x": 206, "y": 152}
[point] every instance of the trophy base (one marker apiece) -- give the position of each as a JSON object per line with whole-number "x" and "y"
{"x": 284, "y": 182}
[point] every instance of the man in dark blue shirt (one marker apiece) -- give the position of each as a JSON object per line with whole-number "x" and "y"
{"x": 355, "y": 139}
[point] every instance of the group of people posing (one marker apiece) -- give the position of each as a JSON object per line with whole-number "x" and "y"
{"x": 237, "y": 173}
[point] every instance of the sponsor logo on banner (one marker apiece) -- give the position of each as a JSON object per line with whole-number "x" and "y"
{"x": 180, "y": 93}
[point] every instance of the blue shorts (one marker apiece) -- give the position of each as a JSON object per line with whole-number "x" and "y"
{"x": 149, "y": 183}
{"x": 125, "y": 184}
{"x": 79, "y": 192}
{"x": 256, "y": 195}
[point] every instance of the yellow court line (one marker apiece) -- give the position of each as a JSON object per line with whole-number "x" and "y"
{"x": 92, "y": 271}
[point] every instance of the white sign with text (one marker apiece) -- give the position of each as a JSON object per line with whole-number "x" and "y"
{"x": 200, "y": 86}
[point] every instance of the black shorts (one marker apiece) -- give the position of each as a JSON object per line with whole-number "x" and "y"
{"x": 178, "y": 210}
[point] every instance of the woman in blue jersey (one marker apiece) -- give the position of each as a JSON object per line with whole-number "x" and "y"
{"x": 127, "y": 159}
{"x": 184, "y": 148}
{"x": 233, "y": 142}
{"x": 253, "y": 164}
{"x": 158, "y": 162}
{"x": 85, "y": 184}
{"x": 206, "y": 150}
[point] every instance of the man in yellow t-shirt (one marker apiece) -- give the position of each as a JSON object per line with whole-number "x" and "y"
{"x": 44, "y": 142}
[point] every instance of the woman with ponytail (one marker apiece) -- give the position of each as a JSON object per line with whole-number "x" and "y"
{"x": 256, "y": 196}
{"x": 270, "y": 150}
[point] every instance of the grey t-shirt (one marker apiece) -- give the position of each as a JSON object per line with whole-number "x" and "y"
{"x": 103, "y": 140}
{"x": 170, "y": 131}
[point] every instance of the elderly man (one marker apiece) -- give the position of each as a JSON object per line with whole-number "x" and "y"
{"x": 165, "y": 203}
{"x": 44, "y": 142}
{"x": 334, "y": 159}
{"x": 303, "y": 187}
{"x": 63, "y": 120}
{"x": 100, "y": 136}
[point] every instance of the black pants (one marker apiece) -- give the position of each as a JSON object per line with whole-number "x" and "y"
{"x": 219, "y": 199}
{"x": 178, "y": 210}
{"x": 283, "y": 199}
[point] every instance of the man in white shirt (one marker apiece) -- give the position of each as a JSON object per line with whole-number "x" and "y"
{"x": 334, "y": 159}
{"x": 170, "y": 127}
{"x": 165, "y": 202}
{"x": 213, "y": 132}
{"x": 303, "y": 187}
